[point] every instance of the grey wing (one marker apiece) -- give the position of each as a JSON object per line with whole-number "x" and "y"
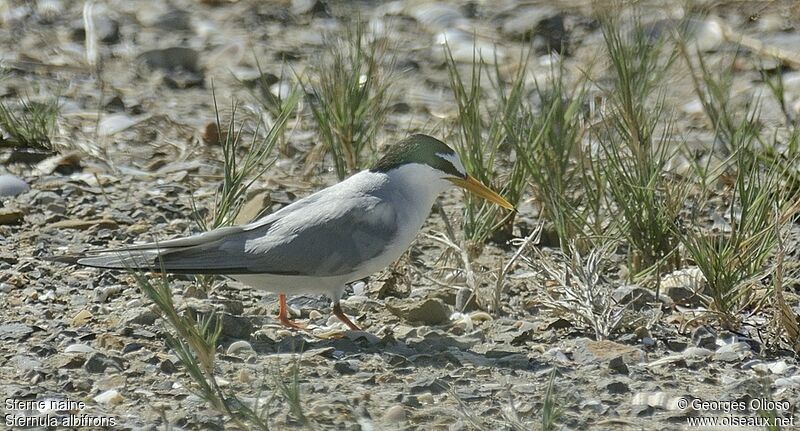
{"x": 154, "y": 256}
{"x": 329, "y": 238}
{"x": 317, "y": 237}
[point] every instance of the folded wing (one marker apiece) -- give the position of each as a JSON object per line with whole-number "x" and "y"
{"x": 317, "y": 237}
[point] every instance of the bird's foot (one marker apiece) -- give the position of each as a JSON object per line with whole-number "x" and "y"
{"x": 337, "y": 311}
{"x": 283, "y": 314}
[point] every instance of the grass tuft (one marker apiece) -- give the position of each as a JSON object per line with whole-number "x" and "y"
{"x": 240, "y": 172}
{"x": 29, "y": 124}
{"x": 635, "y": 147}
{"x": 481, "y": 142}
{"x": 580, "y": 290}
{"x": 350, "y": 97}
{"x": 551, "y": 412}
{"x": 194, "y": 341}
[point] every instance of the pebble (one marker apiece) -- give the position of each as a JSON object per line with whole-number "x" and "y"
{"x": 83, "y": 317}
{"x": 617, "y": 365}
{"x": 784, "y": 382}
{"x": 614, "y": 386}
{"x": 115, "y": 123}
{"x": 731, "y": 352}
{"x": 14, "y": 331}
{"x": 139, "y": 316}
{"x": 240, "y": 346}
{"x": 12, "y": 186}
{"x": 696, "y": 352}
{"x": 430, "y": 311}
{"x": 98, "y": 362}
{"x": 685, "y": 286}
{"x": 704, "y": 337}
{"x": 637, "y": 297}
{"x": 591, "y": 351}
{"x": 109, "y": 397}
{"x": 346, "y": 367}
{"x": 778, "y": 367}
{"x": 11, "y": 216}
{"x": 79, "y": 348}
{"x": 395, "y": 414}
{"x": 660, "y": 400}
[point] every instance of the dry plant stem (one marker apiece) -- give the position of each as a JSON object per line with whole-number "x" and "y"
{"x": 759, "y": 47}
{"x": 583, "y": 294}
{"x": 499, "y": 287}
{"x": 783, "y": 317}
{"x": 469, "y": 274}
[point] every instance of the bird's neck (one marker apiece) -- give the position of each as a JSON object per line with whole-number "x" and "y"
{"x": 417, "y": 183}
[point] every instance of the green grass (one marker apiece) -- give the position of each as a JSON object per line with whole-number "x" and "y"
{"x": 762, "y": 199}
{"x": 549, "y": 145}
{"x": 481, "y": 142}
{"x": 27, "y": 123}
{"x": 241, "y": 168}
{"x": 551, "y": 412}
{"x": 636, "y": 146}
{"x": 349, "y": 97}
{"x": 194, "y": 341}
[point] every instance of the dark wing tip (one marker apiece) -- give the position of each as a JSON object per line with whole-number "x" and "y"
{"x": 68, "y": 259}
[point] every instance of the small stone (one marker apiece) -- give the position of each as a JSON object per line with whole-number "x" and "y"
{"x": 659, "y": 400}
{"x": 115, "y": 123}
{"x": 786, "y": 383}
{"x": 346, "y": 367}
{"x": 429, "y": 385}
{"x": 641, "y": 332}
{"x": 617, "y": 365}
{"x": 98, "y": 362}
{"x": 395, "y": 414}
{"x": 236, "y": 326}
{"x": 83, "y": 317}
{"x": 685, "y": 286}
{"x": 697, "y": 353}
{"x": 109, "y": 397}
{"x": 637, "y": 297}
{"x": 10, "y": 216}
{"x": 676, "y": 345}
{"x": 615, "y": 386}
{"x": 778, "y": 367}
{"x": 79, "y": 224}
{"x": 62, "y": 163}
{"x": 139, "y": 316}
{"x": 79, "y": 348}
{"x": 12, "y": 186}
{"x": 69, "y": 362}
{"x": 430, "y": 311}
{"x": 239, "y": 347}
{"x": 14, "y": 331}
{"x": 171, "y": 59}
{"x": 603, "y": 351}
{"x": 254, "y": 207}
{"x": 167, "y": 366}
{"x": 704, "y": 337}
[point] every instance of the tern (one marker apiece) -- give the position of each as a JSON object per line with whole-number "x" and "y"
{"x": 324, "y": 241}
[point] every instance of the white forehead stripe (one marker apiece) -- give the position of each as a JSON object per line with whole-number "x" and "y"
{"x": 455, "y": 161}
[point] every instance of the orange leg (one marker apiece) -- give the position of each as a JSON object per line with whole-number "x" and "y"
{"x": 337, "y": 311}
{"x": 283, "y": 314}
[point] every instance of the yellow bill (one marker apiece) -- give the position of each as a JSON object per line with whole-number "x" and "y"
{"x": 479, "y": 189}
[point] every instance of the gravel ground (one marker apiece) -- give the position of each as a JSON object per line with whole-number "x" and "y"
{"x": 135, "y": 159}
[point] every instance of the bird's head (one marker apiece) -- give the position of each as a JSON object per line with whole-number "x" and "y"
{"x": 434, "y": 156}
